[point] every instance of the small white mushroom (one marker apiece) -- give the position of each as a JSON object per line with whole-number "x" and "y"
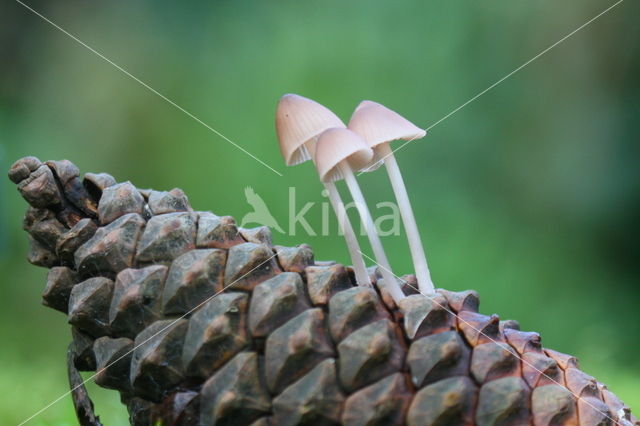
{"x": 378, "y": 126}
{"x": 299, "y": 121}
{"x": 339, "y": 151}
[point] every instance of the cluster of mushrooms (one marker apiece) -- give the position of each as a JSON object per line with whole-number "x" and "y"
{"x": 309, "y": 131}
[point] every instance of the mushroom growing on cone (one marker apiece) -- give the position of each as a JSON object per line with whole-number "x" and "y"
{"x": 378, "y": 126}
{"x": 196, "y": 322}
{"x": 338, "y": 152}
{"x": 299, "y": 122}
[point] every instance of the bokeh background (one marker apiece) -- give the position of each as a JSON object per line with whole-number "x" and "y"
{"x": 529, "y": 195}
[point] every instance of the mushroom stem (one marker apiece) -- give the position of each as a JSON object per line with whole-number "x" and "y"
{"x": 425, "y": 284}
{"x": 359, "y": 267}
{"x": 376, "y": 245}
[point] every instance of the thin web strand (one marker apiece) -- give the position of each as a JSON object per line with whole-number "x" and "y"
{"x": 151, "y": 89}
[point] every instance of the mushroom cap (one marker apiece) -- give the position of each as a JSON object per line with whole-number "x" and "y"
{"x": 377, "y": 124}
{"x": 336, "y": 145}
{"x": 299, "y": 120}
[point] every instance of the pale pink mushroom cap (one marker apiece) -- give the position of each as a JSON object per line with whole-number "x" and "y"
{"x": 299, "y": 120}
{"x": 336, "y": 145}
{"x": 377, "y": 124}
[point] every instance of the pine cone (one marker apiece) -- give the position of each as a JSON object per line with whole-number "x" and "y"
{"x": 196, "y": 321}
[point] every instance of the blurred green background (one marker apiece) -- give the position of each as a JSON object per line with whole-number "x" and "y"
{"x": 529, "y": 195}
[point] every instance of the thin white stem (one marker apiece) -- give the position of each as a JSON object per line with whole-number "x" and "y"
{"x": 376, "y": 245}
{"x": 425, "y": 284}
{"x": 359, "y": 267}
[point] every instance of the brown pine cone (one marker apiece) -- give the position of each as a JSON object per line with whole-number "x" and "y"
{"x": 196, "y": 321}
